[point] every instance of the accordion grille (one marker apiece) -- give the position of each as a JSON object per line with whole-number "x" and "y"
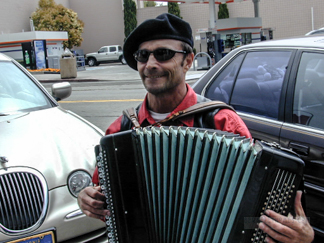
{"x": 189, "y": 183}
{"x": 22, "y": 201}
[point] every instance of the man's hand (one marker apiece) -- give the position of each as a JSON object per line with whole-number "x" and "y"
{"x": 91, "y": 201}
{"x": 287, "y": 229}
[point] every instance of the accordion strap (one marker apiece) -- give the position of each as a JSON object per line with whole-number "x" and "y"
{"x": 197, "y": 108}
{"x": 132, "y": 115}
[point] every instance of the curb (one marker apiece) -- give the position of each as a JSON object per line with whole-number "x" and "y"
{"x": 67, "y": 80}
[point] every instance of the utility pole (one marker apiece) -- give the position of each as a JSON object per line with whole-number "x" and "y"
{"x": 256, "y": 8}
{"x": 212, "y": 14}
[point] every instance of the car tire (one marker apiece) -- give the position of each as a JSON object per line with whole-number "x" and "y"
{"x": 92, "y": 62}
{"x": 122, "y": 60}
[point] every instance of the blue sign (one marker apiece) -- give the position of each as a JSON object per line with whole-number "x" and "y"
{"x": 40, "y": 54}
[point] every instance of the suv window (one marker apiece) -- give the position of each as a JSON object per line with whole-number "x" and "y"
{"x": 112, "y": 49}
{"x": 257, "y": 82}
{"x": 309, "y": 93}
{"x": 103, "y": 49}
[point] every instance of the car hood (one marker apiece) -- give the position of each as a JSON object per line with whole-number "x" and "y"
{"x": 53, "y": 141}
{"x": 91, "y": 54}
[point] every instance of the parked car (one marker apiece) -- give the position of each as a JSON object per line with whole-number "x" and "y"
{"x": 315, "y": 32}
{"x": 46, "y": 157}
{"x": 277, "y": 87}
{"x": 105, "y": 54}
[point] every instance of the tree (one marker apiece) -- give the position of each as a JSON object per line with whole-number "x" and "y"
{"x": 223, "y": 11}
{"x": 149, "y": 4}
{"x": 173, "y": 8}
{"x": 130, "y": 21}
{"x": 52, "y": 17}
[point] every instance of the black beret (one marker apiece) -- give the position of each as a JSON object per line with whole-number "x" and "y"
{"x": 164, "y": 26}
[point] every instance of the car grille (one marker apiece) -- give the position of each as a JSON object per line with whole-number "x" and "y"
{"x": 23, "y": 200}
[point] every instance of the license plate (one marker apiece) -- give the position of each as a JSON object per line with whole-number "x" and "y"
{"x": 46, "y": 237}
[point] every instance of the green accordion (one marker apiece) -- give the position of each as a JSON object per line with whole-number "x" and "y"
{"x": 180, "y": 184}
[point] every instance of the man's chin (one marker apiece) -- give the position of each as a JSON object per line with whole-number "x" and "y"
{"x": 156, "y": 90}
{"x": 154, "y": 85}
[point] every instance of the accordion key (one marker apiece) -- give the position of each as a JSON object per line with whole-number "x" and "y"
{"x": 179, "y": 185}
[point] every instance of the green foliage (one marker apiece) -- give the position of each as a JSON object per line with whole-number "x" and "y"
{"x": 173, "y": 8}
{"x": 223, "y": 11}
{"x": 52, "y": 17}
{"x": 149, "y": 4}
{"x": 46, "y": 4}
{"x": 130, "y": 21}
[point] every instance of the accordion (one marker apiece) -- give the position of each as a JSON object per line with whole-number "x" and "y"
{"x": 180, "y": 184}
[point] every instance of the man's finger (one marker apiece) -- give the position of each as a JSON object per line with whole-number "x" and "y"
{"x": 300, "y": 213}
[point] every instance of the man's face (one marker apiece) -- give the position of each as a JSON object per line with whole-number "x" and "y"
{"x": 162, "y": 76}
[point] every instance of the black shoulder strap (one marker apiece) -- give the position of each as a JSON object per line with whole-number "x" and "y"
{"x": 204, "y": 111}
{"x": 206, "y": 119}
{"x": 127, "y": 123}
{"x": 131, "y": 114}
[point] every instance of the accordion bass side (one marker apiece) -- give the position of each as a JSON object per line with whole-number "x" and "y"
{"x": 178, "y": 185}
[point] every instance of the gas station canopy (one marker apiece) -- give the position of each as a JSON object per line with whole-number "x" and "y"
{"x": 212, "y": 13}
{"x": 199, "y": 1}
{"x": 215, "y": 42}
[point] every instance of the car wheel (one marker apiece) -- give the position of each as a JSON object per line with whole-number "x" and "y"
{"x": 123, "y": 60}
{"x": 92, "y": 62}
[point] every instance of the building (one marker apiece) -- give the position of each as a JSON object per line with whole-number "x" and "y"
{"x": 104, "y": 21}
{"x": 31, "y": 46}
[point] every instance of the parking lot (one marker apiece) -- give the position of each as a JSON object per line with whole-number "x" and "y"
{"x": 106, "y": 72}
{"x": 100, "y": 94}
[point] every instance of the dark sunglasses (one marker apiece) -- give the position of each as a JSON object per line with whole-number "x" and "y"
{"x": 160, "y": 54}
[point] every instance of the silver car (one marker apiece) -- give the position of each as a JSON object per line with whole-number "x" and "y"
{"x": 46, "y": 157}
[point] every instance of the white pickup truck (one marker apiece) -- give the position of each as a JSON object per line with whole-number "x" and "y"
{"x": 105, "y": 54}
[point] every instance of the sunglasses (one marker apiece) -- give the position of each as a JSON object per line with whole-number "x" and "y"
{"x": 160, "y": 54}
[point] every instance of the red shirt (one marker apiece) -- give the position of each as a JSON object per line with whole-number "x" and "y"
{"x": 225, "y": 120}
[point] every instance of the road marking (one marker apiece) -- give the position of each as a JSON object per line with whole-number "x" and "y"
{"x": 94, "y": 101}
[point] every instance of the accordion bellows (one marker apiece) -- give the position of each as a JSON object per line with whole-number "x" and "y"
{"x": 178, "y": 184}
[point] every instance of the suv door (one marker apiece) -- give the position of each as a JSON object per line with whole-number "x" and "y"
{"x": 113, "y": 53}
{"x": 102, "y": 54}
{"x": 303, "y": 131}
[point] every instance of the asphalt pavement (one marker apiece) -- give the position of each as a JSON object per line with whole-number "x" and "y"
{"x": 105, "y": 72}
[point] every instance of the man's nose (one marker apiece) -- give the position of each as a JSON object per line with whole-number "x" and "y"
{"x": 151, "y": 61}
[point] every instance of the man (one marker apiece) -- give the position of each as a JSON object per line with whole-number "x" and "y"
{"x": 161, "y": 50}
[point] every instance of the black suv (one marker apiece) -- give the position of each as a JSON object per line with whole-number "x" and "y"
{"x": 277, "y": 87}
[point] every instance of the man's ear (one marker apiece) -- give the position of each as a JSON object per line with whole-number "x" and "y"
{"x": 189, "y": 61}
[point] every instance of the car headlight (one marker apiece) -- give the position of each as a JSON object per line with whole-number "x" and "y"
{"x": 77, "y": 181}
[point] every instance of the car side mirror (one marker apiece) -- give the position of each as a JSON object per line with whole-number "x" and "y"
{"x": 61, "y": 91}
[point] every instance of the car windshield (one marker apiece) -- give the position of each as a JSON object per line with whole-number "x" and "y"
{"x": 18, "y": 93}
